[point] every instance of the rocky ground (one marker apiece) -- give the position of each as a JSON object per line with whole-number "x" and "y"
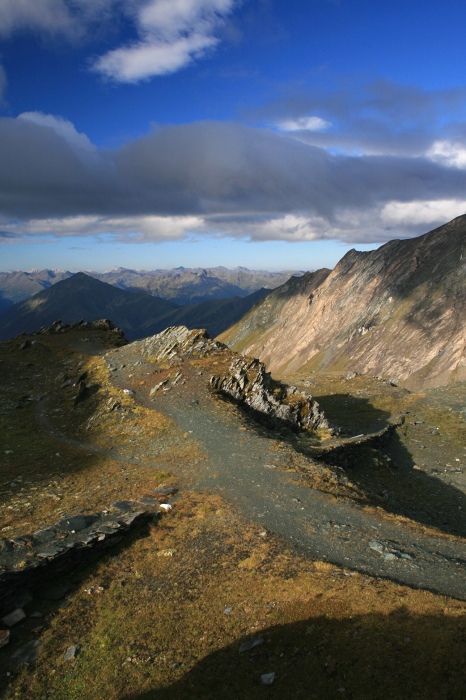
{"x": 265, "y": 543}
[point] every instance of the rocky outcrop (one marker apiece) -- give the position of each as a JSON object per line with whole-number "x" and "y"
{"x": 30, "y": 560}
{"x": 100, "y": 324}
{"x": 250, "y": 385}
{"x": 176, "y": 342}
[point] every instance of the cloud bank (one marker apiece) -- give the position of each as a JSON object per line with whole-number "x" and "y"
{"x": 223, "y": 179}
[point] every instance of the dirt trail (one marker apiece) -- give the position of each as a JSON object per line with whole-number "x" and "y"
{"x": 248, "y": 470}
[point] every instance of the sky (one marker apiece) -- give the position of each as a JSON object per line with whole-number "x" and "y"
{"x": 272, "y": 134}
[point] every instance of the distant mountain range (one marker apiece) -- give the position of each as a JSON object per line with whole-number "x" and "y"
{"x": 182, "y": 285}
{"x": 398, "y": 312}
{"x": 139, "y": 314}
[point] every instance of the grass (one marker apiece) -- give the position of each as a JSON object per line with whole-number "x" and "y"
{"x": 164, "y": 612}
{"x": 58, "y": 457}
{"x": 159, "y": 627}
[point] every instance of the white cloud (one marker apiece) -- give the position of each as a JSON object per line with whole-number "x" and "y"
{"x": 124, "y": 228}
{"x": 425, "y": 213}
{"x": 172, "y": 33}
{"x": 150, "y": 58}
{"x": 168, "y": 19}
{"x": 304, "y": 124}
{"x": 291, "y": 228}
{"x": 450, "y": 153}
{"x": 50, "y": 16}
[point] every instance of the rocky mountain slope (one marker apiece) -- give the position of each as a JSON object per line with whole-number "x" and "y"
{"x": 397, "y": 312}
{"x": 139, "y": 314}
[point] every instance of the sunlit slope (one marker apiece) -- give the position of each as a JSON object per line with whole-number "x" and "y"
{"x": 398, "y": 312}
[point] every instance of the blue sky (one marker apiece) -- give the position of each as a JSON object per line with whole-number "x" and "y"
{"x": 265, "y": 133}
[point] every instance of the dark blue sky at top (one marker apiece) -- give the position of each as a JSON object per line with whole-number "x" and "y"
{"x": 289, "y": 44}
{"x": 377, "y": 73}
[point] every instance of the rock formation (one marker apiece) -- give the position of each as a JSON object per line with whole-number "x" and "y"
{"x": 250, "y": 385}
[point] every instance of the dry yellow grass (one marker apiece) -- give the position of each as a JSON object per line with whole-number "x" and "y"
{"x": 164, "y": 613}
{"x": 160, "y": 625}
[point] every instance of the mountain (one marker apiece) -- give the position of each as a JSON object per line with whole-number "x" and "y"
{"x": 186, "y": 286}
{"x": 398, "y": 312}
{"x": 83, "y": 297}
{"x": 139, "y": 314}
{"x": 215, "y": 315}
{"x": 17, "y": 286}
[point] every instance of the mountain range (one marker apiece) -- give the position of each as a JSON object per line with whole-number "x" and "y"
{"x": 182, "y": 285}
{"x": 139, "y": 314}
{"x": 398, "y": 312}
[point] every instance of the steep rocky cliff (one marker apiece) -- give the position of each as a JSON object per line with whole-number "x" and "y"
{"x": 397, "y": 312}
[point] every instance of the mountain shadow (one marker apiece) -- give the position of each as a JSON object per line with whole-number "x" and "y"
{"x": 363, "y": 657}
{"x": 377, "y": 462}
{"x": 384, "y": 469}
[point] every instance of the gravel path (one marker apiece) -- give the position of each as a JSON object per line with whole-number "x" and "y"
{"x": 248, "y": 471}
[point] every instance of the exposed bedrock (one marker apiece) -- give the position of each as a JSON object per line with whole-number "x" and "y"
{"x": 250, "y": 385}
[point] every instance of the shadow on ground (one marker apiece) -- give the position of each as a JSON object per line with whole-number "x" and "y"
{"x": 374, "y": 656}
{"x": 382, "y": 468}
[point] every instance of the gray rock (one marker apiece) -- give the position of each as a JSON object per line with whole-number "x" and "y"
{"x": 71, "y": 653}
{"x": 50, "y": 552}
{"x": 250, "y": 644}
{"x": 14, "y": 617}
{"x": 27, "y": 654}
{"x": 44, "y": 535}
{"x": 75, "y": 523}
{"x": 158, "y": 386}
{"x": 108, "y": 529}
{"x": 248, "y": 383}
{"x": 390, "y": 557}
{"x": 268, "y": 678}
{"x": 377, "y": 546}
{"x": 130, "y": 518}
{"x": 122, "y": 505}
{"x": 149, "y": 501}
